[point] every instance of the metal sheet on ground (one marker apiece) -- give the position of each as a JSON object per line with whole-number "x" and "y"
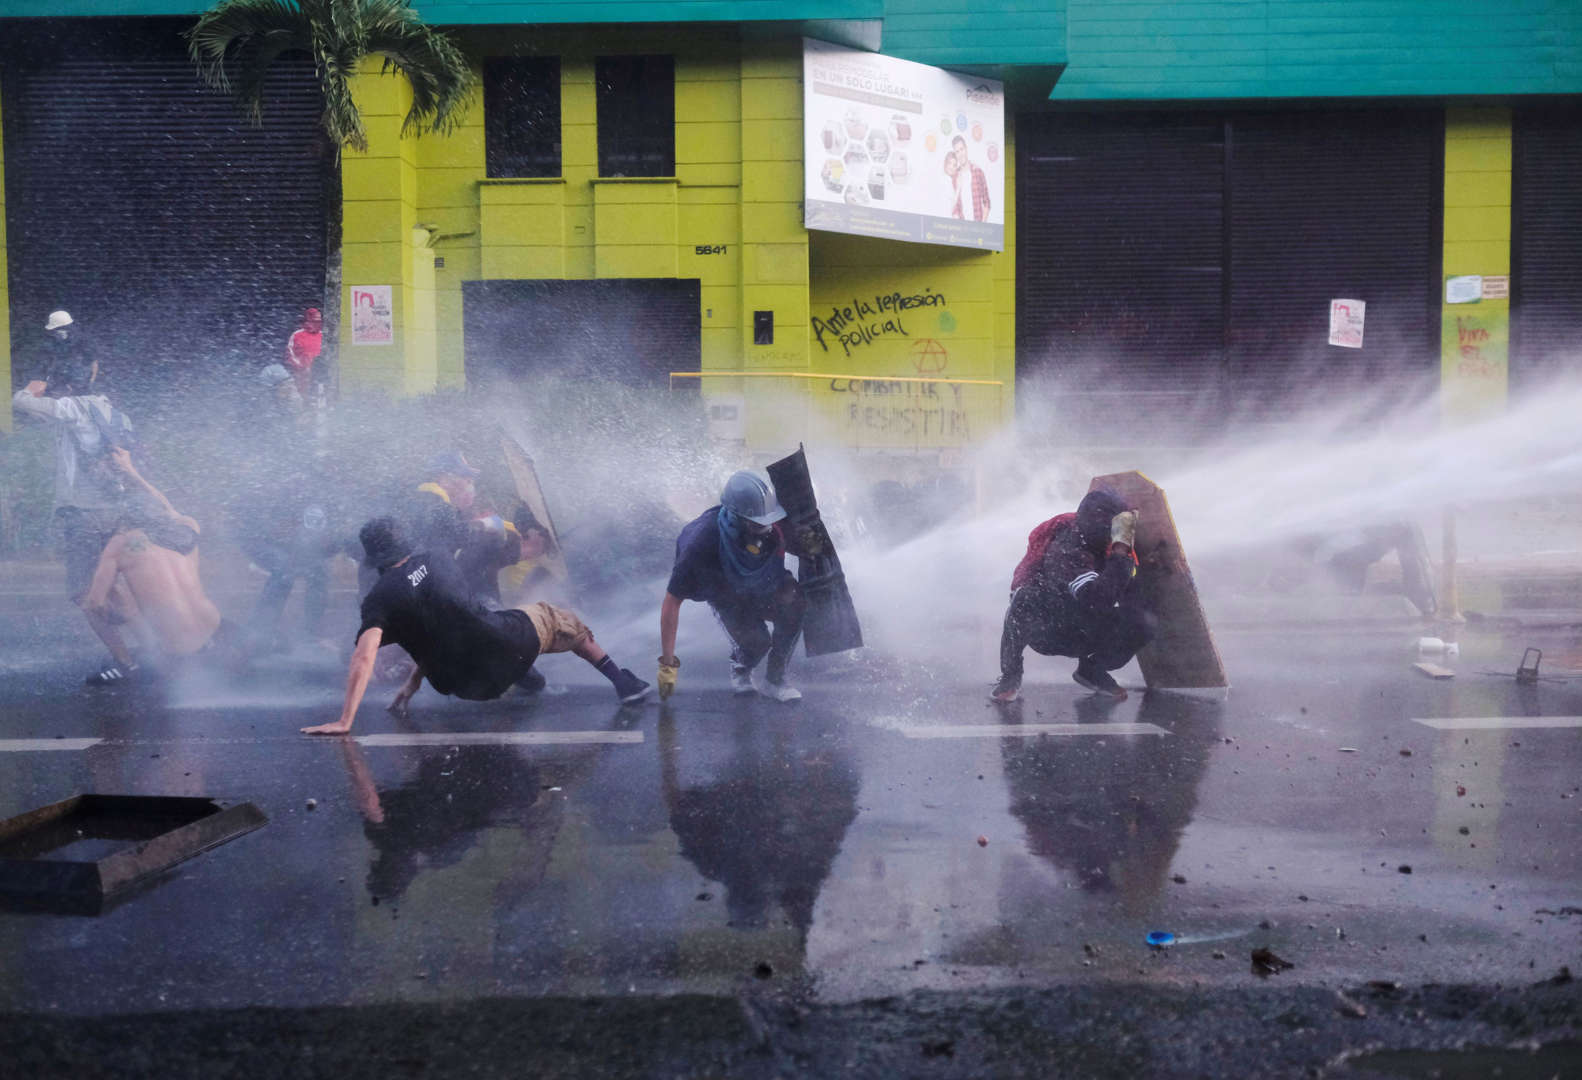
{"x": 1183, "y": 654}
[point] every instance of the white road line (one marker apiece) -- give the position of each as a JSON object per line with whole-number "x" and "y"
{"x": 501, "y": 738}
{"x": 998, "y": 731}
{"x": 1497, "y": 723}
{"x": 13, "y": 746}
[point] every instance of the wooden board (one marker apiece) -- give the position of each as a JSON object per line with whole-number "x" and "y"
{"x": 1182, "y": 654}
{"x": 514, "y": 579}
{"x": 1434, "y": 671}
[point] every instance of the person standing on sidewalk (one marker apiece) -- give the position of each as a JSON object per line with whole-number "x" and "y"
{"x": 302, "y": 351}
{"x": 89, "y": 488}
{"x": 732, "y": 557}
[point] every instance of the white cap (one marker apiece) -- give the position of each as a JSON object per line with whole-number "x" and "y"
{"x": 58, "y": 319}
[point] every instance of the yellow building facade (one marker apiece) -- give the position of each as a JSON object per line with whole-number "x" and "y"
{"x": 884, "y": 345}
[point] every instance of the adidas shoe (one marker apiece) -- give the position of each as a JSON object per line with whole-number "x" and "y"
{"x": 114, "y": 675}
{"x": 1098, "y": 680}
{"x": 630, "y": 689}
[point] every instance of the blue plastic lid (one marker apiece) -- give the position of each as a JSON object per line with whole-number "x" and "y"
{"x": 1160, "y": 938}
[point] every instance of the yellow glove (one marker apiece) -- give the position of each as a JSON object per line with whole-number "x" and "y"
{"x": 1123, "y": 528}
{"x": 669, "y": 668}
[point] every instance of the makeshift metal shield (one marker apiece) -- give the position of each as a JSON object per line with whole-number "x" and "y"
{"x": 830, "y": 624}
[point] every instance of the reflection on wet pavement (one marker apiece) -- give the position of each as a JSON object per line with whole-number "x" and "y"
{"x": 720, "y": 841}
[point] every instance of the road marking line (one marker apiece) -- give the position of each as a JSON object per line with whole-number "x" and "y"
{"x": 997, "y": 731}
{"x": 501, "y": 738}
{"x": 1497, "y": 723}
{"x": 12, "y": 746}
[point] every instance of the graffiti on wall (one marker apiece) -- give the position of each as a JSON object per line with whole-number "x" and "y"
{"x": 864, "y": 321}
{"x": 924, "y": 412}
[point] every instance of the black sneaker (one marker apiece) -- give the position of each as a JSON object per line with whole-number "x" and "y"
{"x": 114, "y": 675}
{"x": 1092, "y": 677}
{"x": 629, "y": 688}
{"x": 1006, "y": 690}
{"x": 532, "y": 682}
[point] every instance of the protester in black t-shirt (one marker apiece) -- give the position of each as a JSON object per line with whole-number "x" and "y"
{"x": 732, "y": 557}
{"x": 421, "y": 603}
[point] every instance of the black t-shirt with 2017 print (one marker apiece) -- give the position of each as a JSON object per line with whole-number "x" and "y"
{"x": 423, "y": 606}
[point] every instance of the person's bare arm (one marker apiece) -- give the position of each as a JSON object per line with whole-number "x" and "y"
{"x": 414, "y": 682}
{"x": 669, "y": 617}
{"x": 123, "y": 461}
{"x": 98, "y": 596}
{"x": 357, "y": 675}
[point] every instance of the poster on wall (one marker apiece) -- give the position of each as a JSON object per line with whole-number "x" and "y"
{"x": 1345, "y": 323}
{"x": 901, "y": 150}
{"x": 372, "y": 323}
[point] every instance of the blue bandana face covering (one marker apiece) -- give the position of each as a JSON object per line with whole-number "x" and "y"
{"x": 753, "y": 562}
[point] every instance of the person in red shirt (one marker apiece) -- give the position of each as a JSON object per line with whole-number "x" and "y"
{"x": 303, "y": 349}
{"x": 1074, "y": 594}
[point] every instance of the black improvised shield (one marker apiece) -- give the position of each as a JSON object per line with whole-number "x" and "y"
{"x": 830, "y": 624}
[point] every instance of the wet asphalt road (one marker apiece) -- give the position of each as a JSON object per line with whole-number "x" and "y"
{"x": 828, "y": 849}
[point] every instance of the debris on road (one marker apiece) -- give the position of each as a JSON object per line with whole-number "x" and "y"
{"x": 1403, "y": 869}
{"x": 983, "y": 841}
{"x": 1265, "y": 962}
{"x": 1158, "y": 939}
{"x": 313, "y": 804}
{"x": 1434, "y": 671}
{"x": 1179, "y": 879}
{"x": 1346, "y": 1006}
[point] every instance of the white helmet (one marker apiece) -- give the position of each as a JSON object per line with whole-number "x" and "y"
{"x": 57, "y": 320}
{"x": 748, "y": 495}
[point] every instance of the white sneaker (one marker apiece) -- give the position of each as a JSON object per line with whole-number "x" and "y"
{"x": 741, "y": 680}
{"x": 780, "y": 692}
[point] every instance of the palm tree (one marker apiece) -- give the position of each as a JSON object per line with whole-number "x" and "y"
{"x": 235, "y": 44}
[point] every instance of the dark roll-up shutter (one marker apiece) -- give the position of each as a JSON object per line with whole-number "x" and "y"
{"x": 633, "y": 331}
{"x": 182, "y": 238}
{"x": 1119, "y": 267}
{"x": 1324, "y": 206}
{"x": 1546, "y": 243}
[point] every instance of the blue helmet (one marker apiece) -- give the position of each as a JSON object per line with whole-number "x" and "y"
{"x": 747, "y": 495}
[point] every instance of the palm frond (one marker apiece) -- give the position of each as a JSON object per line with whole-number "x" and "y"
{"x": 235, "y": 43}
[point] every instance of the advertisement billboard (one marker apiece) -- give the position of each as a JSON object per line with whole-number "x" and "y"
{"x": 900, "y": 150}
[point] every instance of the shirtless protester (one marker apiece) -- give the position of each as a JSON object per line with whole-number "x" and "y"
{"x": 154, "y": 552}
{"x": 421, "y": 602}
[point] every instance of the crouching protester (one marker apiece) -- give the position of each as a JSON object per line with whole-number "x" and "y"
{"x": 421, "y": 603}
{"x": 154, "y": 554}
{"x": 1073, "y": 594}
{"x": 732, "y": 557}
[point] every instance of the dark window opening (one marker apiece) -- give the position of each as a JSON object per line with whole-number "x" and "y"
{"x": 636, "y": 100}
{"x": 763, "y": 328}
{"x": 521, "y": 115}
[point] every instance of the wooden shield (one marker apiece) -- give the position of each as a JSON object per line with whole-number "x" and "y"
{"x": 1182, "y": 654}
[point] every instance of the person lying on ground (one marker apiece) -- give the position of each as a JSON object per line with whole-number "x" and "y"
{"x": 422, "y": 604}
{"x": 154, "y": 552}
{"x": 732, "y": 557}
{"x": 1073, "y": 595}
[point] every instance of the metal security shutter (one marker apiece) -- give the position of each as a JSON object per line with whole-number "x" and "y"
{"x": 1331, "y": 205}
{"x": 1120, "y": 267}
{"x": 633, "y": 331}
{"x": 183, "y": 239}
{"x": 1546, "y": 243}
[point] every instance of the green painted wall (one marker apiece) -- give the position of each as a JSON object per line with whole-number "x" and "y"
{"x": 972, "y": 33}
{"x": 1147, "y": 49}
{"x": 1121, "y": 49}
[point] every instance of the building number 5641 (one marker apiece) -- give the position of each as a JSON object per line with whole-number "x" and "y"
{"x": 710, "y": 249}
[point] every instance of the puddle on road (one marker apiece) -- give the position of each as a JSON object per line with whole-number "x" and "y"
{"x": 1554, "y": 1060}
